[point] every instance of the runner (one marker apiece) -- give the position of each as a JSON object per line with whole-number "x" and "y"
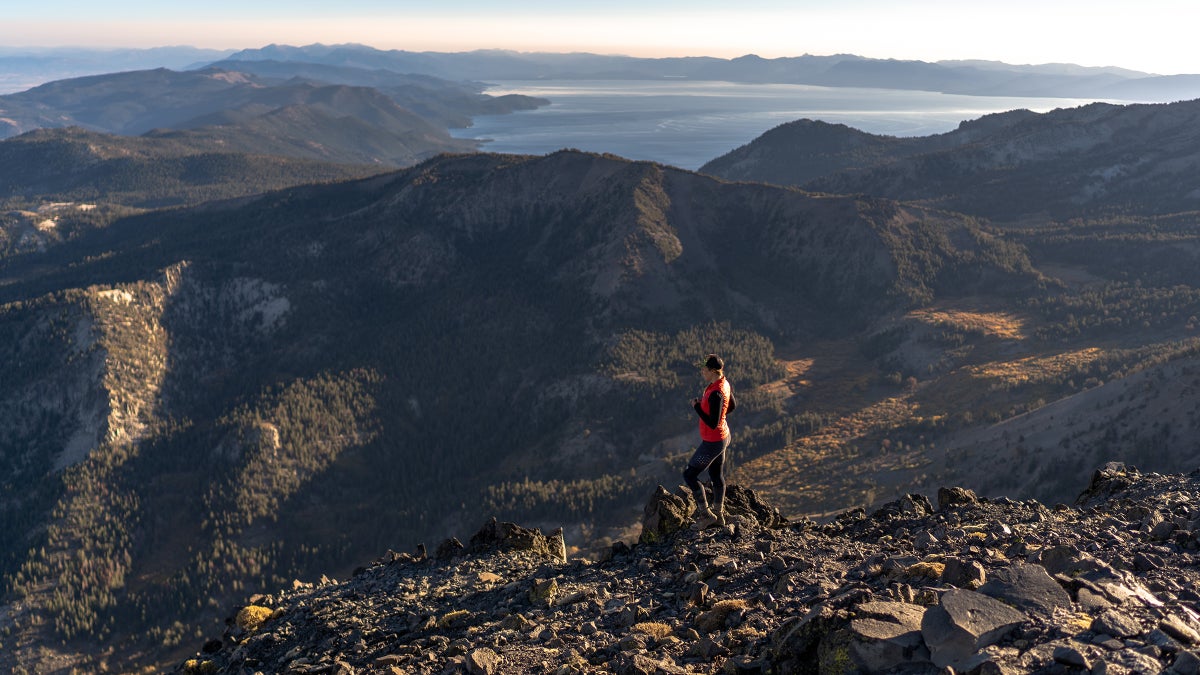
{"x": 712, "y": 408}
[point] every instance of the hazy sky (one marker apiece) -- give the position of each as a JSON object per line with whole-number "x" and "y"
{"x": 1150, "y": 35}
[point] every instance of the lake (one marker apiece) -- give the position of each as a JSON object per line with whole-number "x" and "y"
{"x": 687, "y": 123}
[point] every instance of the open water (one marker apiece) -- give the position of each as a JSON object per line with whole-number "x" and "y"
{"x": 687, "y": 123}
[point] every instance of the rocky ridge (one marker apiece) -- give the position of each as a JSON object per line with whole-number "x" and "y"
{"x": 973, "y": 585}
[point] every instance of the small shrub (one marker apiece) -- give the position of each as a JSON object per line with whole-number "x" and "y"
{"x": 252, "y": 617}
{"x": 714, "y": 619}
{"x": 654, "y": 629}
{"x": 453, "y": 618}
{"x": 930, "y": 570}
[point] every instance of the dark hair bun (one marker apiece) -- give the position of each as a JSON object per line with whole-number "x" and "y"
{"x": 714, "y": 362}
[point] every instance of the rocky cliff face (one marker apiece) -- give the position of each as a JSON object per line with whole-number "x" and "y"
{"x": 973, "y": 585}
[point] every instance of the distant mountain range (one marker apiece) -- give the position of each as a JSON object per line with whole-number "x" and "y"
{"x": 980, "y": 78}
{"x": 1017, "y": 165}
{"x": 22, "y": 68}
{"x": 976, "y": 77}
{"x": 284, "y": 114}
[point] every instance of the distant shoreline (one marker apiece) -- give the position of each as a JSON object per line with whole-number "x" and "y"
{"x": 686, "y": 123}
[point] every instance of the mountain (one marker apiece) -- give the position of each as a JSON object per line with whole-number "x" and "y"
{"x": 439, "y": 101}
{"x": 74, "y": 165}
{"x": 1094, "y": 159}
{"x": 980, "y": 78}
{"x": 296, "y": 117}
{"x": 24, "y": 67}
{"x": 1166, "y": 88}
{"x": 977, "y": 585}
{"x": 201, "y": 401}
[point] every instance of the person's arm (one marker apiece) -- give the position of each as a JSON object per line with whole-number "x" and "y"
{"x": 714, "y": 405}
{"x": 732, "y": 402}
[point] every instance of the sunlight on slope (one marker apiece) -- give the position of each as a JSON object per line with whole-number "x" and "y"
{"x": 989, "y": 324}
{"x": 1033, "y": 369}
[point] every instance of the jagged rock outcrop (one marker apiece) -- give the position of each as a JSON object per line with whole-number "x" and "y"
{"x": 667, "y": 513}
{"x": 512, "y": 537}
{"x": 978, "y": 585}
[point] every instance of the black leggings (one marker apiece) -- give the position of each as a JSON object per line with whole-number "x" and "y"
{"x": 709, "y": 455}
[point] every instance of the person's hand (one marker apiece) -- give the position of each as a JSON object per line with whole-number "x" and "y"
{"x": 695, "y": 402}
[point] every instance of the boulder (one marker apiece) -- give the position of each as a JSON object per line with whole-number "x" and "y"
{"x": 1186, "y": 663}
{"x": 483, "y": 661}
{"x": 963, "y": 623}
{"x": 885, "y": 636}
{"x": 908, "y": 506}
{"x": 745, "y": 504}
{"x": 955, "y": 496}
{"x": 449, "y": 549}
{"x": 1028, "y": 587}
{"x": 1179, "y": 629}
{"x": 1108, "y": 480}
{"x": 1116, "y": 624}
{"x": 665, "y": 514}
{"x": 794, "y": 644}
{"x": 1069, "y": 560}
{"x": 968, "y": 574}
{"x": 643, "y": 663}
{"x": 543, "y": 592}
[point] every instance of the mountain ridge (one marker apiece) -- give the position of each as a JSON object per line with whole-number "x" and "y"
{"x": 974, "y": 584}
{"x": 337, "y": 332}
{"x": 72, "y": 164}
{"x": 243, "y": 110}
{"x": 219, "y": 399}
{"x": 959, "y": 77}
{"x": 1106, "y": 158}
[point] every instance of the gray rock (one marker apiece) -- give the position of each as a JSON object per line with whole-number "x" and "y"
{"x": 985, "y": 663}
{"x": 483, "y": 661}
{"x": 643, "y": 664}
{"x": 449, "y": 548}
{"x": 886, "y": 635}
{"x": 746, "y": 665}
{"x": 1117, "y": 624}
{"x": 924, "y": 540}
{"x": 963, "y": 623}
{"x": 1135, "y": 662}
{"x": 968, "y": 574}
{"x": 1186, "y": 663}
{"x": 915, "y": 506}
{"x": 1069, "y": 560}
{"x": 1028, "y": 587}
{"x": 1179, "y": 629}
{"x": 706, "y": 649}
{"x": 499, "y": 536}
{"x": 1092, "y": 602}
{"x": 631, "y": 643}
{"x": 664, "y": 515}
{"x": 1071, "y": 656}
{"x": 1166, "y": 643}
{"x": 543, "y": 592}
{"x": 955, "y": 496}
{"x": 794, "y": 644}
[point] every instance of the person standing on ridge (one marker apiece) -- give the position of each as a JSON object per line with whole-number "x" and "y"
{"x": 712, "y": 408}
